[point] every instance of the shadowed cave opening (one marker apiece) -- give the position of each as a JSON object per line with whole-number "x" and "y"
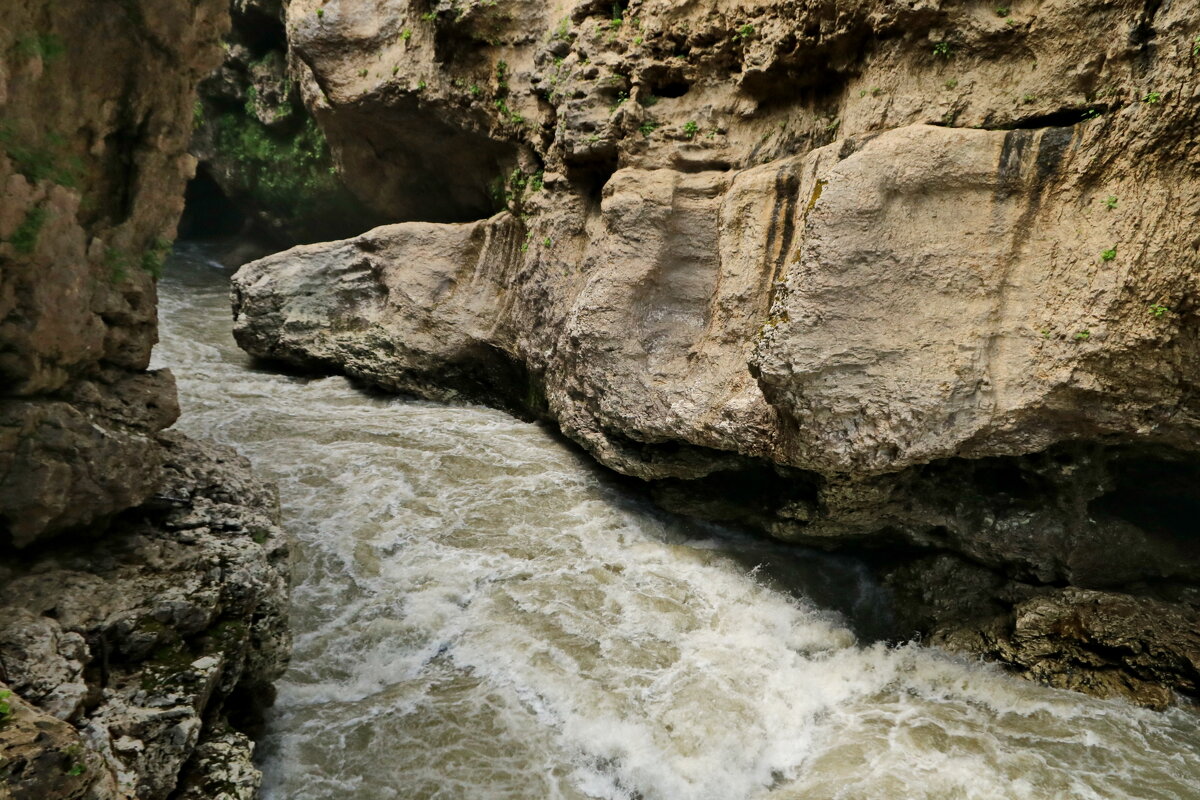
{"x": 207, "y": 212}
{"x": 1160, "y": 496}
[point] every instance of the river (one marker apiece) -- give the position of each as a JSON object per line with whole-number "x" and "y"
{"x": 482, "y": 613}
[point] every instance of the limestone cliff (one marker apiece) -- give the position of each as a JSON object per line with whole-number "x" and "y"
{"x": 142, "y": 577}
{"x": 911, "y": 276}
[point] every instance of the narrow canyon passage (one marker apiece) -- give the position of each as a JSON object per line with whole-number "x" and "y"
{"x": 479, "y": 612}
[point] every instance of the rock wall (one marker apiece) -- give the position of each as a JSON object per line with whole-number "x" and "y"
{"x": 915, "y": 277}
{"x": 142, "y": 577}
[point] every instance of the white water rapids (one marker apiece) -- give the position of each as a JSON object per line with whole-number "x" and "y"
{"x": 480, "y": 613}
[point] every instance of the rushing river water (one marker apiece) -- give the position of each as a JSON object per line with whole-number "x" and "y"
{"x": 480, "y": 613}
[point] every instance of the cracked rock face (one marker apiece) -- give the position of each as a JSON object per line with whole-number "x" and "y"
{"x": 143, "y": 577}
{"x": 95, "y": 111}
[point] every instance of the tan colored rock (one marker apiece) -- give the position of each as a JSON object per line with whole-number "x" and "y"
{"x": 949, "y": 296}
{"x": 847, "y": 271}
{"x": 44, "y": 757}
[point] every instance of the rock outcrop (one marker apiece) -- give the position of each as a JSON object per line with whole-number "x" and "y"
{"x": 916, "y": 277}
{"x": 141, "y": 650}
{"x": 142, "y": 576}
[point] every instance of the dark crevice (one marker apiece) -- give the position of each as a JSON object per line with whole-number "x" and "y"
{"x": 713, "y": 165}
{"x": 1063, "y": 118}
{"x": 674, "y": 88}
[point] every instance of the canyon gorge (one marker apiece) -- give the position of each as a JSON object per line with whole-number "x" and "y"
{"x": 894, "y": 296}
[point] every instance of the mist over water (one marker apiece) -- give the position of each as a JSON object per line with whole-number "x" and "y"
{"x": 480, "y": 612}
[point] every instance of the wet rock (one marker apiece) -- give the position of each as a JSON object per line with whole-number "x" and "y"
{"x": 1102, "y": 643}
{"x": 149, "y": 638}
{"x": 222, "y": 768}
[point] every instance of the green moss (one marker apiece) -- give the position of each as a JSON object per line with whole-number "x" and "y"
{"x": 25, "y": 237}
{"x": 117, "y": 263}
{"x": 154, "y": 258}
{"x": 46, "y": 159}
{"x": 45, "y": 46}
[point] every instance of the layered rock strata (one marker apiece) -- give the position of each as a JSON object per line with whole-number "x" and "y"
{"x": 142, "y": 577}
{"x": 914, "y": 277}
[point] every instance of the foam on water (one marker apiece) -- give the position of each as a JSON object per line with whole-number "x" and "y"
{"x": 481, "y": 613}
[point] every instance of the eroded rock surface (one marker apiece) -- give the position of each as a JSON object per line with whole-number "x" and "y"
{"x": 916, "y": 277}
{"x": 140, "y": 651}
{"x": 95, "y": 105}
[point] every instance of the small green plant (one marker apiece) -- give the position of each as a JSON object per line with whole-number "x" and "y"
{"x": 421, "y": 86}
{"x": 362, "y": 73}
{"x": 1028, "y": 98}
{"x": 547, "y": 243}
{"x": 1010, "y": 22}
{"x": 1109, "y": 254}
{"x": 1002, "y": 11}
{"x": 690, "y": 129}
{"x": 5, "y": 707}
{"x": 648, "y": 128}
{"x": 154, "y": 258}
{"x": 1158, "y": 309}
{"x": 1091, "y": 113}
{"x": 502, "y": 77}
{"x": 1196, "y": 46}
{"x": 943, "y": 50}
{"x": 395, "y": 70}
{"x": 320, "y": 13}
{"x": 406, "y": 34}
{"x": 528, "y": 239}
{"x": 117, "y": 264}
{"x": 25, "y": 238}
{"x": 1082, "y": 336}
{"x": 1152, "y": 97}
{"x": 952, "y": 83}
{"x": 744, "y": 33}
{"x": 1110, "y": 202}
